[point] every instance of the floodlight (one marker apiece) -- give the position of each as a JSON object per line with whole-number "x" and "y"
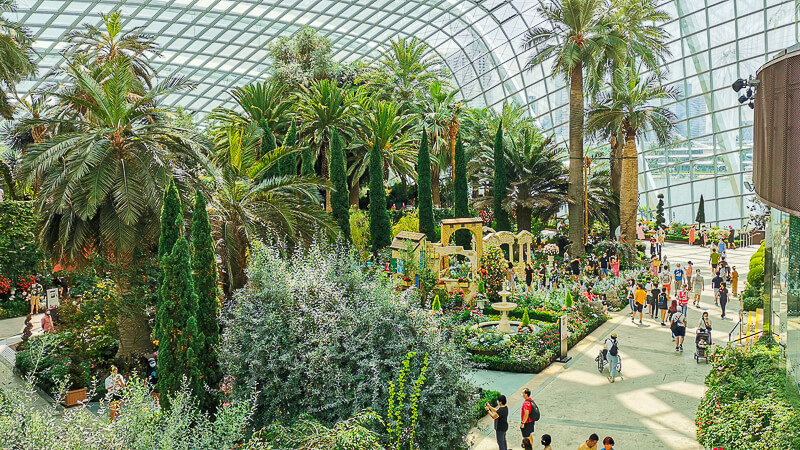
{"x": 739, "y": 84}
{"x": 742, "y": 99}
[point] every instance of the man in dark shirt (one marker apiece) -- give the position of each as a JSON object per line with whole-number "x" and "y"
{"x": 722, "y": 295}
{"x": 604, "y": 266}
{"x": 716, "y": 282}
{"x": 576, "y": 266}
{"x": 500, "y": 416}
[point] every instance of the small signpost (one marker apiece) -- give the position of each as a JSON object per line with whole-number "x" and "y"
{"x": 563, "y": 334}
{"x": 52, "y": 298}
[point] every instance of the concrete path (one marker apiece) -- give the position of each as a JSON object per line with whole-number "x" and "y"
{"x": 653, "y": 406}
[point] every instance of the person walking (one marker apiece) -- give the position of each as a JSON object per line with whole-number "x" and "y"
{"x": 663, "y": 305}
{"x": 528, "y": 276}
{"x": 705, "y": 323}
{"x": 639, "y": 301}
{"x": 604, "y": 260}
{"x": 611, "y": 350}
{"x": 654, "y": 264}
{"x": 716, "y": 283}
{"x": 679, "y": 331}
{"x": 721, "y": 245}
{"x": 683, "y": 300}
{"x": 47, "y": 322}
{"x": 530, "y": 414}
{"x": 722, "y": 295}
{"x": 713, "y": 260}
{"x": 632, "y": 297}
{"x": 36, "y": 290}
{"x": 608, "y": 443}
{"x": 688, "y": 272}
{"x": 678, "y": 278}
{"x": 698, "y": 285}
{"x": 666, "y": 282}
{"x": 591, "y": 443}
{"x": 691, "y": 235}
{"x": 732, "y": 239}
{"x": 734, "y": 281}
{"x": 652, "y": 296}
{"x": 653, "y": 246}
{"x": 665, "y": 264}
{"x": 661, "y": 237}
{"x": 500, "y": 416}
{"x": 615, "y": 266}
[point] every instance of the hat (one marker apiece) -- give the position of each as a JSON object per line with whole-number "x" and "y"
{"x": 691, "y": 262}
{"x": 613, "y": 335}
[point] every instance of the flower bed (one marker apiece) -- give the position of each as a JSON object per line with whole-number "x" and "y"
{"x": 527, "y": 352}
{"x": 746, "y": 405}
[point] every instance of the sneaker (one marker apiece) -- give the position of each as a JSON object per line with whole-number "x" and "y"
{"x": 681, "y": 347}
{"x": 640, "y": 322}
{"x": 663, "y": 324}
{"x": 676, "y": 349}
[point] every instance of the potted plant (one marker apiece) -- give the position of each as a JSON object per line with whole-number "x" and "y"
{"x": 463, "y": 282}
{"x": 480, "y": 297}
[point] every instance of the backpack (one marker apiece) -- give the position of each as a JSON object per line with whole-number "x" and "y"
{"x": 535, "y": 415}
{"x": 613, "y": 351}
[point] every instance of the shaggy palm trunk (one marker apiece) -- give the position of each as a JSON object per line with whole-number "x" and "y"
{"x": 134, "y": 334}
{"x": 629, "y": 195}
{"x": 355, "y": 190}
{"x": 323, "y": 154}
{"x": 576, "y": 188}
{"x": 615, "y": 164}
{"x": 524, "y": 216}
{"x": 437, "y": 202}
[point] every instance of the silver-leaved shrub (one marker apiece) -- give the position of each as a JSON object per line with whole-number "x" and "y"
{"x": 318, "y": 333}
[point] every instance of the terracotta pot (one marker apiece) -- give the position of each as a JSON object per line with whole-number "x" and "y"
{"x": 73, "y": 398}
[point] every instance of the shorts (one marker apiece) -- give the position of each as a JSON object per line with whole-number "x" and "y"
{"x": 527, "y": 429}
{"x": 714, "y": 266}
{"x": 637, "y": 307}
{"x": 680, "y": 332}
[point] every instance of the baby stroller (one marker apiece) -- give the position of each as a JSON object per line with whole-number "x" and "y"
{"x": 702, "y": 341}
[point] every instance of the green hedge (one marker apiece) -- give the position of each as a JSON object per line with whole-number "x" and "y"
{"x": 19, "y": 254}
{"x": 746, "y": 405}
{"x": 13, "y": 308}
{"x": 486, "y": 396}
{"x": 544, "y": 316}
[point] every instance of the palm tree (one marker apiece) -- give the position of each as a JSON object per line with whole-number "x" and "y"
{"x": 265, "y": 103}
{"x": 633, "y": 106}
{"x": 382, "y": 121}
{"x": 16, "y": 57}
{"x": 440, "y": 118}
{"x": 574, "y": 32}
{"x": 98, "y": 173}
{"x": 247, "y": 207}
{"x": 98, "y": 46}
{"x": 637, "y": 23}
{"x": 321, "y": 107}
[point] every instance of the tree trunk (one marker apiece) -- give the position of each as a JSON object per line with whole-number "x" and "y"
{"x": 615, "y": 164}
{"x": 629, "y": 196}
{"x": 524, "y": 218}
{"x": 134, "y": 334}
{"x": 355, "y": 191}
{"x": 437, "y": 202}
{"x": 576, "y": 188}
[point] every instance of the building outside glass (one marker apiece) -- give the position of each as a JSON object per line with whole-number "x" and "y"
{"x": 221, "y": 44}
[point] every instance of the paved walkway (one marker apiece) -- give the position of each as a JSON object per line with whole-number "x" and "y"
{"x": 653, "y": 406}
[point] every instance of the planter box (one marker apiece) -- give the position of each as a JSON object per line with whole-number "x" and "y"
{"x": 73, "y": 398}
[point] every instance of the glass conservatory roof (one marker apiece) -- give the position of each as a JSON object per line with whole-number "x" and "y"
{"x": 221, "y": 44}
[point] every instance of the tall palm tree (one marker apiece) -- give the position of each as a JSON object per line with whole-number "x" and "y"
{"x": 632, "y": 105}
{"x": 321, "y": 107}
{"x": 574, "y": 32}
{"x": 382, "y": 121}
{"x": 99, "y": 172}
{"x": 16, "y": 57}
{"x": 99, "y": 46}
{"x": 247, "y": 206}
{"x": 265, "y": 103}
{"x": 440, "y": 118}
{"x": 638, "y": 24}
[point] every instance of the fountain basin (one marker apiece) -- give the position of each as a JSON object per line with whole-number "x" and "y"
{"x": 493, "y": 325}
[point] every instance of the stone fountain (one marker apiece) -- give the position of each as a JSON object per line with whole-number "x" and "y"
{"x": 504, "y": 307}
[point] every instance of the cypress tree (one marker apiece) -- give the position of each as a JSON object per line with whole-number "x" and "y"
{"x": 268, "y": 146}
{"x": 424, "y": 195}
{"x": 179, "y": 341}
{"x": 701, "y": 211}
{"x": 660, "y": 221}
{"x": 170, "y": 229}
{"x": 463, "y": 237}
{"x": 307, "y": 168}
{"x": 204, "y": 267}
{"x": 340, "y": 196}
{"x": 500, "y": 183}
{"x": 379, "y": 225}
{"x": 288, "y": 164}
